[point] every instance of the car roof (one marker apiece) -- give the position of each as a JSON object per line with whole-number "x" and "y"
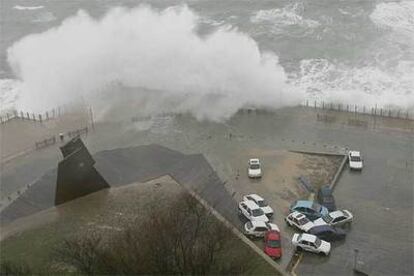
{"x": 258, "y": 223}
{"x": 354, "y": 153}
{"x": 297, "y": 215}
{"x": 336, "y": 214}
{"x": 254, "y": 161}
{"x": 255, "y": 197}
{"x": 273, "y": 234}
{"x": 320, "y": 228}
{"x": 251, "y": 204}
{"x": 308, "y": 237}
{"x": 303, "y": 203}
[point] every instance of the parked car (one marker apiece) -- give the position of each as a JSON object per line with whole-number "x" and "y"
{"x": 258, "y": 229}
{"x": 299, "y": 220}
{"x": 254, "y": 169}
{"x": 260, "y": 202}
{"x": 328, "y": 233}
{"x": 252, "y": 211}
{"x": 336, "y": 218}
{"x": 355, "y": 160}
{"x": 312, "y": 210}
{"x": 273, "y": 246}
{"x": 326, "y": 198}
{"x": 311, "y": 243}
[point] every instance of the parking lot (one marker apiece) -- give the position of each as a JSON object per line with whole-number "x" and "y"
{"x": 381, "y": 196}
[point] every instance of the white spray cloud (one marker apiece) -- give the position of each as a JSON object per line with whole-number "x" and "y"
{"x": 157, "y": 55}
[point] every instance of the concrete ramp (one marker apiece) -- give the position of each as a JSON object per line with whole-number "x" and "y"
{"x": 135, "y": 164}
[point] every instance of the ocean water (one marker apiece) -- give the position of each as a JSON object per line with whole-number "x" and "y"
{"x": 206, "y": 57}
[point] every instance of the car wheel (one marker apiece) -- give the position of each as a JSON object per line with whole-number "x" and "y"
{"x": 298, "y": 248}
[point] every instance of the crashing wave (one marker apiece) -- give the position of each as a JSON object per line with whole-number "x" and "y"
{"x": 170, "y": 69}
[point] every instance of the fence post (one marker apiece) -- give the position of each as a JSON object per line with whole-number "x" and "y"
{"x": 381, "y": 112}
{"x": 28, "y": 116}
{"x": 21, "y": 115}
{"x": 34, "y": 117}
{"x": 40, "y": 117}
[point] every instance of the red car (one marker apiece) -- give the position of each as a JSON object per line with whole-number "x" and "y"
{"x": 272, "y": 244}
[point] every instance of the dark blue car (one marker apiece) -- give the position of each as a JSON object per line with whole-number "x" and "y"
{"x": 328, "y": 233}
{"x": 312, "y": 210}
{"x": 326, "y": 198}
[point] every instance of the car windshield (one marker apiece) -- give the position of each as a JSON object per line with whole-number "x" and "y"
{"x": 327, "y": 218}
{"x": 257, "y": 212}
{"x": 355, "y": 158}
{"x": 318, "y": 242}
{"x": 262, "y": 203}
{"x": 273, "y": 243}
{"x": 303, "y": 221}
{"x": 254, "y": 166}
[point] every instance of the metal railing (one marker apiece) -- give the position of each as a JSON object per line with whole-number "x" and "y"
{"x": 390, "y": 112}
{"x": 30, "y": 116}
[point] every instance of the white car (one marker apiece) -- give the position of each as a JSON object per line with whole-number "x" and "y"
{"x": 299, "y": 221}
{"x": 260, "y": 202}
{"x": 311, "y": 243}
{"x": 254, "y": 169}
{"x": 355, "y": 160}
{"x": 336, "y": 218}
{"x": 258, "y": 228}
{"x": 252, "y": 211}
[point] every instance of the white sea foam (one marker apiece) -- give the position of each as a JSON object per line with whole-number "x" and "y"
{"x": 291, "y": 15}
{"x": 398, "y": 16}
{"x": 27, "y": 8}
{"x": 367, "y": 85}
{"x": 9, "y": 93}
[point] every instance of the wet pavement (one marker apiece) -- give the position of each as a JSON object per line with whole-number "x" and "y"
{"x": 381, "y": 197}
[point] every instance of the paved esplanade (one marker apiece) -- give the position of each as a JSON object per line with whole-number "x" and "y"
{"x": 381, "y": 197}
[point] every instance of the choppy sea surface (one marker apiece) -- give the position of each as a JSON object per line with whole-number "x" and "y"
{"x": 356, "y": 52}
